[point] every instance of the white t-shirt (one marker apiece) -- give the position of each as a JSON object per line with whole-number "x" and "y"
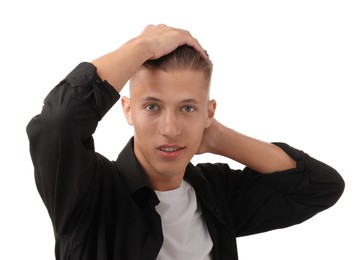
{"x": 185, "y": 232}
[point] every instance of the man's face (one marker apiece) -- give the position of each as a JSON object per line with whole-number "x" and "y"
{"x": 169, "y": 112}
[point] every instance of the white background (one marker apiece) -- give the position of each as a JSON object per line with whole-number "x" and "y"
{"x": 287, "y": 71}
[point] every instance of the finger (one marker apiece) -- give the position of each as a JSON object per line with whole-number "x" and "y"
{"x": 193, "y": 42}
{"x": 161, "y": 25}
{"x": 197, "y": 46}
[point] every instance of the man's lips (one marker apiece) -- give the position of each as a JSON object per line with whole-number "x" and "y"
{"x": 170, "y": 148}
{"x": 170, "y": 151}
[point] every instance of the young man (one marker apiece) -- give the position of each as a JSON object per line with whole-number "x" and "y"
{"x": 152, "y": 203}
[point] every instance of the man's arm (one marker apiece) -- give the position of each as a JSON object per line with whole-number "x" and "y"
{"x": 118, "y": 66}
{"x": 258, "y": 155}
{"x": 61, "y": 143}
{"x": 298, "y": 187}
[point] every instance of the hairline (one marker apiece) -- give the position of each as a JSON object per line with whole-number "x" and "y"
{"x": 170, "y": 70}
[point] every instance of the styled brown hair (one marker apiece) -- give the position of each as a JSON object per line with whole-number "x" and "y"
{"x": 183, "y": 58}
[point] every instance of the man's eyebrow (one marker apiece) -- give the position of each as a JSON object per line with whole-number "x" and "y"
{"x": 151, "y": 99}
{"x": 154, "y": 99}
{"x": 189, "y": 100}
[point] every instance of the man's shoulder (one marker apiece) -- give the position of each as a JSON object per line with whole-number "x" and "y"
{"x": 213, "y": 168}
{"x": 212, "y": 173}
{"x": 220, "y": 174}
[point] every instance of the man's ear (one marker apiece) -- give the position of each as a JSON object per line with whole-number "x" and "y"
{"x": 127, "y": 109}
{"x": 211, "y": 107}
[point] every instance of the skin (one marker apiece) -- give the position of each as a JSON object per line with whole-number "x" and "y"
{"x": 170, "y": 125}
{"x": 162, "y": 119}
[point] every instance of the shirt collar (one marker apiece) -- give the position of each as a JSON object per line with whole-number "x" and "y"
{"x": 129, "y": 167}
{"x": 136, "y": 178}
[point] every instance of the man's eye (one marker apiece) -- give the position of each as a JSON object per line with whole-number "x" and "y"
{"x": 188, "y": 109}
{"x": 151, "y": 107}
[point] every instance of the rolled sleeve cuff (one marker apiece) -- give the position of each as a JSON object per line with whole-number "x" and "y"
{"x": 85, "y": 75}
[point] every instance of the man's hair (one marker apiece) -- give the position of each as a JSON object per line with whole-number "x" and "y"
{"x": 183, "y": 58}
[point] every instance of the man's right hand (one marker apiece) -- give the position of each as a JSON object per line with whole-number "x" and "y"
{"x": 118, "y": 66}
{"x": 163, "y": 39}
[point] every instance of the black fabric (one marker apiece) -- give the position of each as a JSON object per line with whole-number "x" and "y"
{"x": 105, "y": 210}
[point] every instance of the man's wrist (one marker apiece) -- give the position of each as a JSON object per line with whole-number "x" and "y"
{"x": 217, "y": 138}
{"x": 140, "y": 47}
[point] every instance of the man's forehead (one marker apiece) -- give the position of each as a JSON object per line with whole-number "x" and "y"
{"x": 162, "y": 86}
{"x": 155, "y": 76}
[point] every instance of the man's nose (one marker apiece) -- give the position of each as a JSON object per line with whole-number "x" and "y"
{"x": 170, "y": 125}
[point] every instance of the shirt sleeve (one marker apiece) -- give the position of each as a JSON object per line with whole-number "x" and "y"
{"x": 256, "y": 202}
{"x": 61, "y": 143}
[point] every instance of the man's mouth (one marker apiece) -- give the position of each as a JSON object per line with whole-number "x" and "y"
{"x": 170, "y": 149}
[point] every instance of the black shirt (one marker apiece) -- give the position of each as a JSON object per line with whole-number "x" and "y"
{"x": 105, "y": 210}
